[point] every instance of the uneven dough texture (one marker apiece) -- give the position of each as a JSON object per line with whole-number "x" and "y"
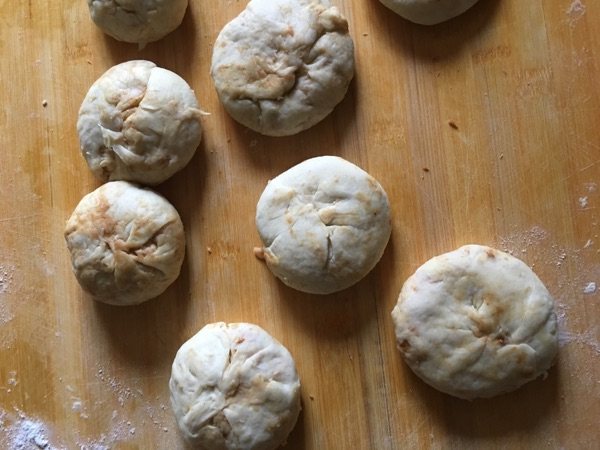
{"x": 476, "y": 322}
{"x": 428, "y": 12}
{"x": 324, "y": 224}
{"x": 234, "y": 387}
{"x": 140, "y": 123}
{"x": 137, "y": 21}
{"x": 127, "y": 243}
{"x": 281, "y": 66}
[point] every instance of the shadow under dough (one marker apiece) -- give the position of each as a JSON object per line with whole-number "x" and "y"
{"x": 342, "y": 314}
{"x": 277, "y": 154}
{"x": 150, "y": 333}
{"x": 519, "y": 410}
{"x": 172, "y": 52}
{"x": 436, "y": 42}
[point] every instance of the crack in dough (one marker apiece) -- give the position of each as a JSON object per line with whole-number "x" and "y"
{"x": 476, "y": 322}
{"x": 324, "y": 224}
{"x": 281, "y": 66}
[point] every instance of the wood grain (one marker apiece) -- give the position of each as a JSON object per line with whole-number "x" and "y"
{"x": 482, "y": 130}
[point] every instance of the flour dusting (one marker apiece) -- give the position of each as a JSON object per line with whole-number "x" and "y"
{"x": 133, "y": 415}
{"x": 586, "y": 339}
{"x": 11, "y": 381}
{"x": 6, "y": 279}
{"x": 128, "y": 395}
{"x": 575, "y": 12}
{"x": 590, "y": 288}
{"x": 583, "y": 202}
{"x": 21, "y": 432}
{"x": 567, "y": 275}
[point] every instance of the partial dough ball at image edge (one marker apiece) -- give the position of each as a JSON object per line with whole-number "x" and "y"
{"x": 428, "y": 12}
{"x": 139, "y": 22}
{"x": 324, "y": 225}
{"x": 282, "y": 66}
{"x": 139, "y": 122}
{"x": 475, "y": 323}
{"x": 234, "y": 387}
{"x": 127, "y": 243}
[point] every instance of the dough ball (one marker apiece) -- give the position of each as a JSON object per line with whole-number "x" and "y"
{"x": 281, "y": 66}
{"x": 324, "y": 225}
{"x": 137, "y": 21}
{"x": 126, "y": 243}
{"x": 234, "y": 387}
{"x": 476, "y": 322}
{"x": 428, "y": 12}
{"x": 140, "y": 123}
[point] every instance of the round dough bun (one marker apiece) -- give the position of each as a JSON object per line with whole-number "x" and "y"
{"x": 140, "y": 123}
{"x": 281, "y": 66}
{"x": 324, "y": 225}
{"x": 476, "y": 322}
{"x": 137, "y": 21}
{"x": 127, "y": 243}
{"x": 234, "y": 387}
{"x": 428, "y": 12}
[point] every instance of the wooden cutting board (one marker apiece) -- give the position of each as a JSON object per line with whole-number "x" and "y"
{"x": 484, "y": 129}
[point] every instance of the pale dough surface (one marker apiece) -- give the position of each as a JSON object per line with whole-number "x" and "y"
{"x": 234, "y": 387}
{"x": 137, "y": 21}
{"x": 139, "y": 122}
{"x": 127, "y": 243}
{"x": 281, "y": 66}
{"x": 476, "y": 322}
{"x": 324, "y": 224}
{"x": 428, "y": 12}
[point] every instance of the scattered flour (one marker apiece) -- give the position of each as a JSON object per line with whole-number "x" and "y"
{"x": 575, "y": 12}
{"x": 12, "y": 381}
{"x": 20, "y": 432}
{"x": 583, "y": 202}
{"x": 125, "y": 426}
{"x": 568, "y": 279}
{"x": 586, "y": 339}
{"x": 79, "y": 407}
{"x": 590, "y": 288}
{"x": 6, "y": 279}
{"x": 118, "y": 432}
{"x": 122, "y": 425}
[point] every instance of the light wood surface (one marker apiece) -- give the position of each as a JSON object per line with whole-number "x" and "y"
{"x": 485, "y": 129}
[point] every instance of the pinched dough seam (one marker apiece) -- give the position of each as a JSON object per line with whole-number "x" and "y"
{"x": 111, "y": 134}
{"x": 133, "y": 252}
{"x": 126, "y": 10}
{"x": 300, "y": 72}
{"x": 218, "y": 418}
{"x": 491, "y": 339}
{"x": 301, "y": 69}
{"x": 330, "y": 229}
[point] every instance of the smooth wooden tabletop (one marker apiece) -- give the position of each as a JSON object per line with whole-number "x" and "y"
{"x": 484, "y": 129}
